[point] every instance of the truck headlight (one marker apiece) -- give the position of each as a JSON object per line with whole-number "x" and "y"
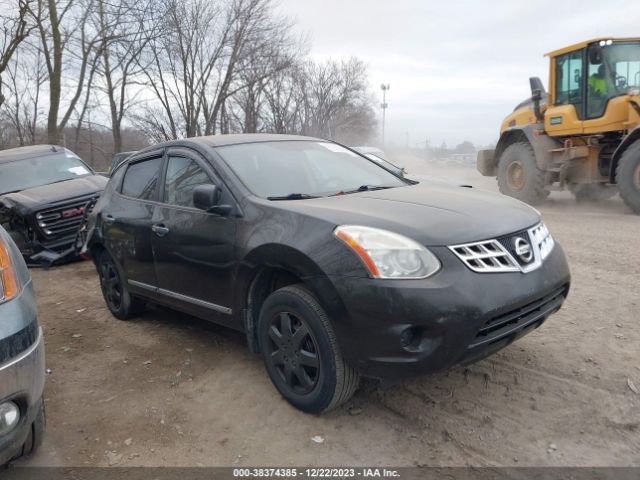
{"x": 388, "y": 255}
{"x": 9, "y": 285}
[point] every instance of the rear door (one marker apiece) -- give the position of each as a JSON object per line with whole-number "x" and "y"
{"x": 194, "y": 250}
{"x": 127, "y": 221}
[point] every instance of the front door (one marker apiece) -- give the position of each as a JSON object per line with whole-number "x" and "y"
{"x": 565, "y": 114}
{"x": 193, "y": 250}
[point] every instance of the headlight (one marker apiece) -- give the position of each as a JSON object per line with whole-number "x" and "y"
{"x": 387, "y": 254}
{"x": 9, "y": 417}
{"x": 9, "y": 286}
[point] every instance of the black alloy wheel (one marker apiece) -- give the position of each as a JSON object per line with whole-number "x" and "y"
{"x": 293, "y": 353}
{"x": 301, "y": 352}
{"x": 120, "y": 302}
{"x": 111, "y": 285}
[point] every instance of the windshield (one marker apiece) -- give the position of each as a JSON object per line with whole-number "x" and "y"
{"x": 280, "y": 169}
{"x": 613, "y": 69}
{"x": 34, "y": 172}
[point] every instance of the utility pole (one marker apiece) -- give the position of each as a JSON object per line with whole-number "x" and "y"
{"x": 384, "y": 106}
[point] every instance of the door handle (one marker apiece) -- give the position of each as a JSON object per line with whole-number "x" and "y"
{"x": 160, "y": 230}
{"x": 109, "y": 219}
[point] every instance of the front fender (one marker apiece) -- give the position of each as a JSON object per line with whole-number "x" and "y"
{"x": 534, "y": 134}
{"x": 289, "y": 259}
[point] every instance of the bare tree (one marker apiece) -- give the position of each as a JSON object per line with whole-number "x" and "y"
{"x": 328, "y": 99}
{"x": 172, "y": 68}
{"x": 209, "y": 52}
{"x": 68, "y": 44}
{"x": 15, "y": 28}
{"x": 283, "y": 95}
{"x": 26, "y": 74}
{"x": 124, "y": 29}
{"x": 180, "y": 62}
{"x": 273, "y": 50}
{"x": 259, "y": 45}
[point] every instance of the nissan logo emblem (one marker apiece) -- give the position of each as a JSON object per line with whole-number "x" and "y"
{"x": 523, "y": 249}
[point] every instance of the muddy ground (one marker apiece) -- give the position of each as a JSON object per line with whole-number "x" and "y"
{"x": 168, "y": 389}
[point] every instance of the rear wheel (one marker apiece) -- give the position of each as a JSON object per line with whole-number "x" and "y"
{"x": 519, "y": 175}
{"x": 120, "y": 302}
{"x": 628, "y": 176}
{"x": 301, "y": 354}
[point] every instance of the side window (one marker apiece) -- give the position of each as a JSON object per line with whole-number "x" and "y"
{"x": 141, "y": 179}
{"x": 569, "y": 80}
{"x": 183, "y": 176}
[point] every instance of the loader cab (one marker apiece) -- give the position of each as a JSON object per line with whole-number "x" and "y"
{"x": 590, "y": 85}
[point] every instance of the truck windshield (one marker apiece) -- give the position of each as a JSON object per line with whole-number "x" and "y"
{"x": 612, "y": 72}
{"x": 34, "y": 172}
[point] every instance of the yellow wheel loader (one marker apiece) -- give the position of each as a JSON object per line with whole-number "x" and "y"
{"x": 583, "y": 135}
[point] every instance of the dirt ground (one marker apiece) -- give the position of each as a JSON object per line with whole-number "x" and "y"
{"x": 171, "y": 390}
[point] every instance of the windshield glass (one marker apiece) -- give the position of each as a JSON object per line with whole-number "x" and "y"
{"x": 275, "y": 169}
{"x": 613, "y": 69}
{"x": 33, "y": 172}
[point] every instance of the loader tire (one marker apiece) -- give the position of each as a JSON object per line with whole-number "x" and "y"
{"x": 519, "y": 175}
{"x": 628, "y": 176}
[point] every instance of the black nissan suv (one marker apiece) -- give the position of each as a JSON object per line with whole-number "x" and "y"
{"x": 333, "y": 266}
{"x": 45, "y": 191}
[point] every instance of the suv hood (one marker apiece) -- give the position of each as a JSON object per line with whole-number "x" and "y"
{"x": 431, "y": 213}
{"x": 37, "y": 197}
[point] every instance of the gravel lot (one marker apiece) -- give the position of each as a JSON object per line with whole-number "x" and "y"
{"x": 168, "y": 389}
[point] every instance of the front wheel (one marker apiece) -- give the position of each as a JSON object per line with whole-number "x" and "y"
{"x": 519, "y": 175}
{"x": 120, "y": 302}
{"x": 628, "y": 176}
{"x": 301, "y": 354}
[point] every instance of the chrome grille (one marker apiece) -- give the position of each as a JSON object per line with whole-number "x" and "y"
{"x": 65, "y": 219}
{"x": 541, "y": 237}
{"x": 498, "y": 255}
{"x": 486, "y": 256}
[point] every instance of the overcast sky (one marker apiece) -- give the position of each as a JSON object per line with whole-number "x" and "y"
{"x": 456, "y": 68}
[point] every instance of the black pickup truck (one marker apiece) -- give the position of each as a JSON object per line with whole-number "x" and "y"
{"x": 45, "y": 192}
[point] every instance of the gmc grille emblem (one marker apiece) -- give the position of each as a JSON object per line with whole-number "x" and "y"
{"x": 523, "y": 249}
{"x": 73, "y": 212}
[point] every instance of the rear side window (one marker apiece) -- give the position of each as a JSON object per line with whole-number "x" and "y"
{"x": 141, "y": 179}
{"x": 183, "y": 176}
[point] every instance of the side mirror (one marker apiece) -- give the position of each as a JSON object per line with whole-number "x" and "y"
{"x": 537, "y": 91}
{"x": 207, "y": 198}
{"x": 536, "y": 84}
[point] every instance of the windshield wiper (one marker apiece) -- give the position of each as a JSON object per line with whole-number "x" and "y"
{"x": 294, "y": 196}
{"x": 362, "y": 188}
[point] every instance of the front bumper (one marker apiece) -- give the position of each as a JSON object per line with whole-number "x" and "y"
{"x": 22, "y": 381}
{"x": 399, "y": 328}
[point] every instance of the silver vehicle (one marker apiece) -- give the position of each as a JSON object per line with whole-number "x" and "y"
{"x": 22, "y": 419}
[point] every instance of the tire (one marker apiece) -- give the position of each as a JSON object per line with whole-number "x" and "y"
{"x": 519, "y": 175}
{"x": 120, "y": 302}
{"x": 628, "y": 176}
{"x": 305, "y": 365}
{"x": 36, "y": 433}
{"x": 592, "y": 192}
